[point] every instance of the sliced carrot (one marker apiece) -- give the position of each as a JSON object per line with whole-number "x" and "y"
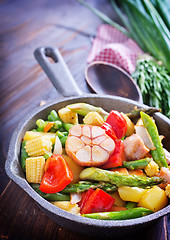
{"x": 120, "y": 170}
{"x": 137, "y": 172}
{"x": 48, "y": 126}
{"x": 116, "y": 208}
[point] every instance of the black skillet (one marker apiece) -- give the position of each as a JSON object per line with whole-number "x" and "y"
{"x": 64, "y": 82}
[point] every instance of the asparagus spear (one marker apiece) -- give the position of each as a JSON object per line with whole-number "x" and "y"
{"x": 84, "y": 108}
{"x": 85, "y": 185}
{"x": 136, "y": 112}
{"x": 158, "y": 154}
{"x": 121, "y": 215}
{"x": 52, "y": 196}
{"x": 130, "y": 205}
{"x": 119, "y": 179}
{"x": 138, "y": 164}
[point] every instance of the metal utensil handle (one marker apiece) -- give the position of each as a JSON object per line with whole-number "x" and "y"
{"x": 57, "y": 71}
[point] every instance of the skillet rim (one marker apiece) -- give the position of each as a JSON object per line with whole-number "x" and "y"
{"x": 13, "y": 156}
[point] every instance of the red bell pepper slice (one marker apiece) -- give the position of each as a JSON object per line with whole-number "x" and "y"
{"x": 99, "y": 201}
{"x": 84, "y": 197}
{"x": 118, "y": 123}
{"x": 109, "y": 130}
{"x": 57, "y": 176}
{"x": 117, "y": 157}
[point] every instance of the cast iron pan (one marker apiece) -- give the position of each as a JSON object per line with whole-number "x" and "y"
{"x": 64, "y": 83}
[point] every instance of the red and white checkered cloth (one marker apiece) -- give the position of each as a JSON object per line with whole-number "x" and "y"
{"x": 112, "y": 46}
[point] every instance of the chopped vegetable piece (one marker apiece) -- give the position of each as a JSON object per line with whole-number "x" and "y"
{"x": 117, "y": 157}
{"x": 85, "y": 197}
{"x": 41, "y": 124}
{"x": 137, "y": 172}
{"x": 31, "y": 135}
{"x": 118, "y": 201}
{"x": 98, "y": 201}
{"x": 53, "y": 116}
{"x": 68, "y": 116}
{"x": 89, "y": 145}
{"x": 158, "y": 154}
{"x": 167, "y": 190}
{"x": 130, "y": 125}
{"x": 84, "y": 108}
{"x": 67, "y": 206}
{"x": 75, "y": 168}
{"x": 93, "y": 118}
{"x": 120, "y": 215}
{"x": 154, "y": 199}
{"x": 119, "y": 179}
{"x": 83, "y": 186}
{"x": 130, "y": 205}
{"x": 57, "y": 176}
{"x": 118, "y": 123}
{"x": 138, "y": 164}
{"x": 143, "y": 133}
{"x": 48, "y": 126}
{"x": 120, "y": 170}
{"x": 109, "y": 130}
{"x": 136, "y": 112}
{"x": 24, "y": 155}
{"x": 133, "y": 194}
{"x": 34, "y": 169}
{"x": 51, "y": 197}
{"x": 151, "y": 169}
{"x": 57, "y": 146}
{"x": 67, "y": 126}
{"x": 38, "y": 146}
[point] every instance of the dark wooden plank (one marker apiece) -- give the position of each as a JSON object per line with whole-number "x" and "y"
{"x": 24, "y": 26}
{"x": 22, "y": 219}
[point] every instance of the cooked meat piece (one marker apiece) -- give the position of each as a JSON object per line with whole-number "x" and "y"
{"x": 134, "y": 147}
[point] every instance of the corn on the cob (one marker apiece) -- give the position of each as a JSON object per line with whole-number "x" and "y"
{"x": 34, "y": 169}
{"x": 38, "y": 146}
{"x": 31, "y": 135}
{"x": 93, "y": 118}
{"x": 67, "y": 116}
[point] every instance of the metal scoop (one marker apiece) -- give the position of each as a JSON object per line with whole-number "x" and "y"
{"x": 107, "y": 78}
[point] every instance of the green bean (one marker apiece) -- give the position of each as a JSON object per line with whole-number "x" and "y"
{"x": 47, "y": 155}
{"x": 41, "y": 124}
{"x": 67, "y": 126}
{"x": 158, "y": 154}
{"x": 121, "y": 215}
{"x": 130, "y": 205}
{"x": 51, "y": 197}
{"x": 24, "y": 155}
{"x": 63, "y": 140}
{"x": 138, "y": 164}
{"x": 53, "y": 116}
{"x": 57, "y": 124}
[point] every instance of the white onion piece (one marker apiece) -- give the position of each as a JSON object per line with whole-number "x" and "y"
{"x": 75, "y": 198}
{"x": 139, "y": 122}
{"x": 143, "y": 133}
{"x": 57, "y": 146}
{"x": 167, "y": 155}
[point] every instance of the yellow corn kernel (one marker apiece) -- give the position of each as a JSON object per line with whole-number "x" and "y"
{"x": 167, "y": 190}
{"x": 93, "y": 118}
{"x": 38, "y": 146}
{"x": 34, "y": 169}
{"x": 30, "y": 135}
{"x": 151, "y": 169}
{"x": 67, "y": 116}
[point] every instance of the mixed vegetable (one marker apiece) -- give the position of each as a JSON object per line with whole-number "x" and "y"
{"x": 100, "y": 165}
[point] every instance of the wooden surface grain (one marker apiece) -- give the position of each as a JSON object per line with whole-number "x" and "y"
{"x": 24, "y": 26}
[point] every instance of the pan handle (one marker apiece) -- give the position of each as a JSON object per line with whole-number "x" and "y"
{"x": 57, "y": 71}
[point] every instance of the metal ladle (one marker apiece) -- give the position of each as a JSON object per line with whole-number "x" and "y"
{"x": 107, "y": 78}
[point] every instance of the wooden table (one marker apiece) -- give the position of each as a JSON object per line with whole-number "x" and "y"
{"x": 24, "y": 26}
